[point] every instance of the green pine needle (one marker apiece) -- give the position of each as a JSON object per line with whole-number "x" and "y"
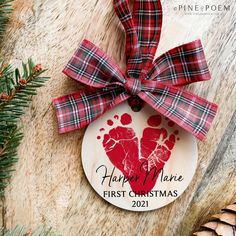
{"x": 21, "y": 231}
{"x": 5, "y": 11}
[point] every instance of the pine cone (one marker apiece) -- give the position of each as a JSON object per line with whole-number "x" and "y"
{"x": 223, "y": 224}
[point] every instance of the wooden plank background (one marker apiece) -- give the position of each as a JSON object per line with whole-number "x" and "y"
{"x": 49, "y": 186}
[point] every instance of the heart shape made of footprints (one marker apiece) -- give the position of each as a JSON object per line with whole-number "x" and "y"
{"x": 141, "y": 168}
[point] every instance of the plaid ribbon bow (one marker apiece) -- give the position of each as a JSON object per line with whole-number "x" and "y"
{"x": 158, "y": 83}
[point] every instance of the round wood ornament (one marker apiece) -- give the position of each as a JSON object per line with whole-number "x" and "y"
{"x": 138, "y": 161}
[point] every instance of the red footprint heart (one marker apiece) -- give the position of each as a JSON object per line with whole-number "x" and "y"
{"x": 122, "y": 147}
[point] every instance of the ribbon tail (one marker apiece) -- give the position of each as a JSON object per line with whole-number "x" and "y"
{"x": 189, "y": 111}
{"x": 79, "y": 109}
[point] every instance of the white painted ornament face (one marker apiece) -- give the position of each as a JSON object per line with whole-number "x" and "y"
{"x": 138, "y": 161}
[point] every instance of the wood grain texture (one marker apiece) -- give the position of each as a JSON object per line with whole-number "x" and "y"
{"x": 49, "y": 186}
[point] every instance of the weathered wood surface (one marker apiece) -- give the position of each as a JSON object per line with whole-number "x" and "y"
{"x": 49, "y": 186}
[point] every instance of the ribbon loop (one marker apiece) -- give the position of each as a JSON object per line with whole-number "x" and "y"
{"x": 91, "y": 66}
{"x": 180, "y": 66}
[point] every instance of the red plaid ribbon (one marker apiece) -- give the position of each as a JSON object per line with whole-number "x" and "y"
{"x": 158, "y": 83}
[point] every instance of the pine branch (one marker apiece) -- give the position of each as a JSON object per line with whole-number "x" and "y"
{"x": 5, "y": 11}
{"x": 16, "y": 92}
{"x": 20, "y": 231}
